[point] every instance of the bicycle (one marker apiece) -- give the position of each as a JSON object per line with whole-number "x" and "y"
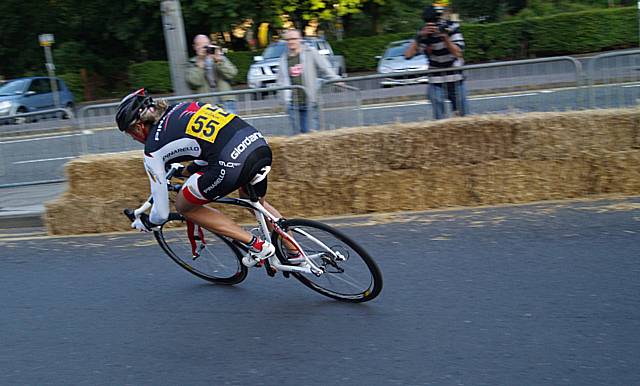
{"x": 329, "y": 262}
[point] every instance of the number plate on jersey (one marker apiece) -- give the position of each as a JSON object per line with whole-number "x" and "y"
{"x": 207, "y": 122}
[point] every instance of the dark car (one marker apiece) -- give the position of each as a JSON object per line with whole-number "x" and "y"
{"x": 24, "y": 95}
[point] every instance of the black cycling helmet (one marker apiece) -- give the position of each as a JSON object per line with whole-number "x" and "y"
{"x": 130, "y": 108}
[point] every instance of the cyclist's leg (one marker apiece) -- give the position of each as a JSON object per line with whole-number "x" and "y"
{"x": 191, "y": 206}
{"x": 218, "y": 180}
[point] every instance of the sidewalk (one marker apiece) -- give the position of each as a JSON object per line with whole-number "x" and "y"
{"x": 23, "y": 206}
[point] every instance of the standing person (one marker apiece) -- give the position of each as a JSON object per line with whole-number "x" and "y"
{"x": 227, "y": 154}
{"x": 301, "y": 65}
{"x": 211, "y": 71}
{"x": 443, "y": 44}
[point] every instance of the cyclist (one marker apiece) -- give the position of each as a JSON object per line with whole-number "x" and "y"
{"x": 227, "y": 153}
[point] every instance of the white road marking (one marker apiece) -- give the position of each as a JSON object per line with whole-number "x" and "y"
{"x": 41, "y": 138}
{"x": 504, "y": 96}
{"x": 43, "y": 160}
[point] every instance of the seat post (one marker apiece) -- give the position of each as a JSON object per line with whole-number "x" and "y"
{"x": 251, "y": 191}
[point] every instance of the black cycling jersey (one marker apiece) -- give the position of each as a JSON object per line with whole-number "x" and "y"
{"x": 227, "y": 146}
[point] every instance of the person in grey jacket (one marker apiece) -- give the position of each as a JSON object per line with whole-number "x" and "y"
{"x": 302, "y": 65}
{"x": 211, "y": 72}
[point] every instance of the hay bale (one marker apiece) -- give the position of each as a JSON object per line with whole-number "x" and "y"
{"x": 462, "y": 161}
{"x": 616, "y": 172}
{"x": 566, "y": 135}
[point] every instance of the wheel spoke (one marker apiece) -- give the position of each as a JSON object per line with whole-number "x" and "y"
{"x": 216, "y": 259}
{"x": 349, "y": 272}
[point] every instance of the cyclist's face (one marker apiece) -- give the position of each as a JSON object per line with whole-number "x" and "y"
{"x": 139, "y": 132}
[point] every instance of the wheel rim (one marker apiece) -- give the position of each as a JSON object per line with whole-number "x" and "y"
{"x": 216, "y": 261}
{"x": 348, "y": 275}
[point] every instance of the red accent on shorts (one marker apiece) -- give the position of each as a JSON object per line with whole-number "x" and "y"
{"x": 192, "y": 198}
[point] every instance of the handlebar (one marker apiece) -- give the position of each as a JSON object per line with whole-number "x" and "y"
{"x": 133, "y": 214}
{"x": 129, "y": 213}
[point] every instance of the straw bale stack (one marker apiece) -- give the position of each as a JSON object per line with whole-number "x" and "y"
{"x": 464, "y": 161}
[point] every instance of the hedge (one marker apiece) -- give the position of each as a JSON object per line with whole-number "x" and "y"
{"x": 582, "y": 32}
{"x": 74, "y": 83}
{"x": 154, "y": 75}
{"x": 242, "y": 60}
{"x": 562, "y": 34}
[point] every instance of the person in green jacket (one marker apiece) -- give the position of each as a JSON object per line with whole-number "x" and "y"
{"x": 211, "y": 71}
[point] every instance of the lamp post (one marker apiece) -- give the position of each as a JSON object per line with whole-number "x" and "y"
{"x": 175, "y": 39}
{"x": 46, "y": 41}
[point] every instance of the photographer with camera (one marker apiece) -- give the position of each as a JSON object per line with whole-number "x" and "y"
{"x": 442, "y": 43}
{"x": 211, "y": 71}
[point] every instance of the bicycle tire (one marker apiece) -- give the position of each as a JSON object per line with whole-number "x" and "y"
{"x": 219, "y": 261}
{"x": 365, "y": 285}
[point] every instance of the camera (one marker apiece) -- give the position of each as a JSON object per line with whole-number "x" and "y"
{"x": 433, "y": 15}
{"x": 211, "y": 48}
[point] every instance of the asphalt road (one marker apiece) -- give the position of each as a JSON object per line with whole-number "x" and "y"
{"x": 543, "y": 294}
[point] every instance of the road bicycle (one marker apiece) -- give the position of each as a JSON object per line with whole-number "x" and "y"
{"x": 328, "y": 262}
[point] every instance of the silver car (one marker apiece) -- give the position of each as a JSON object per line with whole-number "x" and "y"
{"x": 264, "y": 71}
{"x": 393, "y": 61}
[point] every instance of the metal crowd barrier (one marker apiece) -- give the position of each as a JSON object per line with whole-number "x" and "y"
{"x": 614, "y": 79}
{"x": 263, "y": 104}
{"x": 515, "y": 86}
{"x": 25, "y": 122}
{"x": 547, "y": 84}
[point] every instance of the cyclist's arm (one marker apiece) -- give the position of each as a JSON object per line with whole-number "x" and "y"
{"x": 159, "y": 190}
{"x": 194, "y": 167}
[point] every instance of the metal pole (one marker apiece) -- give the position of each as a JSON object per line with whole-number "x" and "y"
{"x": 52, "y": 73}
{"x": 175, "y": 40}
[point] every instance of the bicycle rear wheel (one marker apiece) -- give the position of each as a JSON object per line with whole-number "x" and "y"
{"x": 351, "y": 275}
{"x": 217, "y": 260}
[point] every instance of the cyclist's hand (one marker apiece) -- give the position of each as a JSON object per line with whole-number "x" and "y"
{"x": 179, "y": 169}
{"x": 143, "y": 224}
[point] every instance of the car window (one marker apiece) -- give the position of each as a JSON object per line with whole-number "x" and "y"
{"x": 60, "y": 85}
{"x": 13, "y": 87}
{"x": 274, "y": 50}
{"x": 40, "y": 86}
{"x": 396, "y": 51}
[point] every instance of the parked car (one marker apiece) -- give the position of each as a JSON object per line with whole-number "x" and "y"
{"x": 264, "y": 71}
{"x": 393, "y": 61}
{"x": 23, "y": 95}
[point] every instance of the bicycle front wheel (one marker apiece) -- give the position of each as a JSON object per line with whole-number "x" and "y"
{"x": 216, "y": 259}
{"x": 350, "y": 274}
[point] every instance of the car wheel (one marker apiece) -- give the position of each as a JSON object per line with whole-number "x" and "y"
{"x": 20, "y": 120}
{"x": 70, "y": 114}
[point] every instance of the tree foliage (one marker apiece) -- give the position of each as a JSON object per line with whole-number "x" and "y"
{"x": 99, "y": 39}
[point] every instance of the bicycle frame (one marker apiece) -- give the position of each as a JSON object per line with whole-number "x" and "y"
{"x": 262, "y": 216}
